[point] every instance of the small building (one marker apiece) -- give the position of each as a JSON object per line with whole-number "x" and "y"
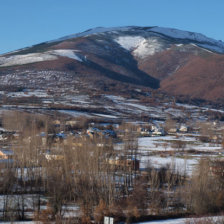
{"x": 2, "y": 130}
{"x": 143, "y": 131}
{"x": 6, "y": 154}
{"x": 71, "y": 123}
{"x": 50, "y": 156}
{"x": 91, "y": 132}
{"x": 157, "y": 131}
{"x": 122, "y": 163}
{"x": 3, "y": 137}
{"x": 172, "y": 130}
{"x": 109, "y": 133}
{"x": 56, "y": 123}
{"x": 183, "y": 128}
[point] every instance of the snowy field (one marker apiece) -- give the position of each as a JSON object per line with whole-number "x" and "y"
{"x": 155, "y": 152}
{"x": 168, "y": 143}
{"x": 218, "y": 219}
{"x": 163, "y": 151}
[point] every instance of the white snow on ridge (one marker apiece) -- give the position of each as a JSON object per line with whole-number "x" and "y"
{"x": 38, "y": 57}
{"x": 97, "y": 30}
{"x": 212, "y": 48}
{"x": 212, "y": 44}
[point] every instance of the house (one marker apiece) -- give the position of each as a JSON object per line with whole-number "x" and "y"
{"x": 172, "y": 130}
{"x": 183, "y": 128}
{"x": 123, "y": 163}
{"x": 56, "y": 123}
{"x": 157, "y": 131}
{"x": 143, "y": 131}
{"x": 50, "y": 156}
{"x": 43, "y": 138}
{"x": 71, "y": 123}
{"x": 92, "y": 131}
{"x": 61, "y": 135}
{"x": 6, "y": 154}
{"x": 217, "y": 138}
{"x": 2, "y": 130}
{"x": 3, "y": 137}
{"x": 4, "y": 134}
{"x": 109, "y": 133}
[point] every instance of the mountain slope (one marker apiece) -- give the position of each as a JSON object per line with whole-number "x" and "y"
{"x": 177, "y": 62}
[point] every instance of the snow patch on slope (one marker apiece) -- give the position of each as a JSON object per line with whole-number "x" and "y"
{"x": 130, "y": 42}
{"x": 148, "y": 47}
{"x": 25, "y": 59}
{"x": 180, "y": 34}
{"x": 38, "y": 57}
{"x": 67, "y": 53}
{"x": 140, "y": 46}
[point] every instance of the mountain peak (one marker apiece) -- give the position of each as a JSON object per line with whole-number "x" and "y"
{"x": 196, "y": 38}
{"x": 93, "y": 31}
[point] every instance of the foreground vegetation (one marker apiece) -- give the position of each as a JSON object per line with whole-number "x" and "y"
{"x": 79, "y": 179}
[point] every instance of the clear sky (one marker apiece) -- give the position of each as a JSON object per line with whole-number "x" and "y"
{"x": 27, "y": 22}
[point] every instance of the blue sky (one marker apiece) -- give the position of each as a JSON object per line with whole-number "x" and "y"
{"x": 27, "y": 22}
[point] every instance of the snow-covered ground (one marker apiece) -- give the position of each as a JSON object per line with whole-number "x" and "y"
{"x": 67, "y": 53}
{"x": 181, "y": 165}
{"x": 30, "y": 201}
{"x": 153, "y": 151}
{"x": 28, "y": 93}
{"x": 217, "y": 219}
{"x": 38, "y": 57}
{"x": 139, "y": 46}
{"x": 147, "y": 47}
{"x": 162, "y": 151}
{"x": 167, "y": 143}
{"x": 75, "y": 113}
{"x": 130, "y": 42}
{"x": 25, "y": 59}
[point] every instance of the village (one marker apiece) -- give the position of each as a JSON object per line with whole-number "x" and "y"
{"x": 210, "y": 133}
{"x": 41, "y": 153}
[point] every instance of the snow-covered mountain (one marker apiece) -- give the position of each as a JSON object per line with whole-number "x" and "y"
{"x": 132, "y": 41}
{"x": 175, "y": 61}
